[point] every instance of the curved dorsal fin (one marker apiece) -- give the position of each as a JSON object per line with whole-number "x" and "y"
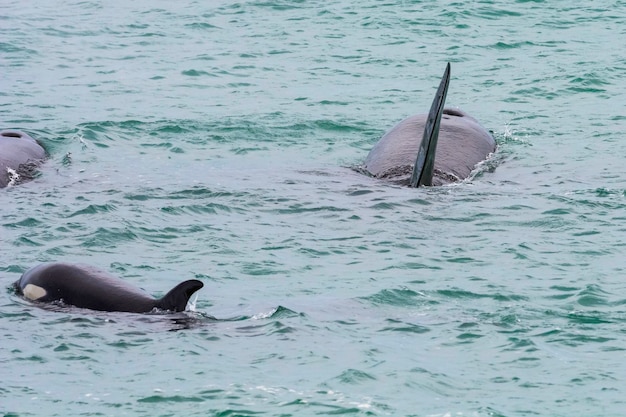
{"x": 425, "y": 162}
{"x": 177, "y": 298}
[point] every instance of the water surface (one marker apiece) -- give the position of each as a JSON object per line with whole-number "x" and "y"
{"x": 214, "y": 141}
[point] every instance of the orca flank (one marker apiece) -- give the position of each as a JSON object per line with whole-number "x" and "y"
{"x": 85, "y": 286}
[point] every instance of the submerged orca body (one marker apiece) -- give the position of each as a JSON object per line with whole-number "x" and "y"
{"x": 87, "y": 287}
{"x": 452, "y": 144}
{"x": 19, "y": 156}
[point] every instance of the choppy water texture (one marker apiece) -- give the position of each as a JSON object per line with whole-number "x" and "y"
{"x": 214, "y": 139}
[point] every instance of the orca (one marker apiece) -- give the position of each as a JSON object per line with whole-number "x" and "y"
{"x": 85, "y": 286}
{"x": 452, "y": 144}
{"x": 20, "y": 154}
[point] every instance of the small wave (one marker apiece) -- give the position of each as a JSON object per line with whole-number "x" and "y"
{"x": 276, "y": 313}
{"x": 403, "y": 327}
{"x": 354, "y": 376}
{"x": 456, "y": 293}
{"x": 94, "y": 209}
{"x": 403, "y": 297}
{"x": 170, "y": 399}
{"x": 195, "y": 73}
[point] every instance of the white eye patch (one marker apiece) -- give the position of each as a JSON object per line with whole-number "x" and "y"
{"x": 33, "y": 292}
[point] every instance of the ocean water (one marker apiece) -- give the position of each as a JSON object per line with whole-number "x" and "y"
{"x": 215, "y": 140}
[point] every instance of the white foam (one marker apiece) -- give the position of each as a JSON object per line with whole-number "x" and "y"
{"x": 265, "y": 315}
{"x": 14, "y": 177}
{"x": 191, "y": 303}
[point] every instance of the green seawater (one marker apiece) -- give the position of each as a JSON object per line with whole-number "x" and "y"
{"x": 215, "y": 140}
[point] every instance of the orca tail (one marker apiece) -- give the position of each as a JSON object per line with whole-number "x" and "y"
{"x": 176, "y": 300}
{"x": 425, "y": 162}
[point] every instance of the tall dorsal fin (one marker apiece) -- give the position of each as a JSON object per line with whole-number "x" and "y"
{"x": 177, "y": 298}
{"x": 425, "y": 162}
